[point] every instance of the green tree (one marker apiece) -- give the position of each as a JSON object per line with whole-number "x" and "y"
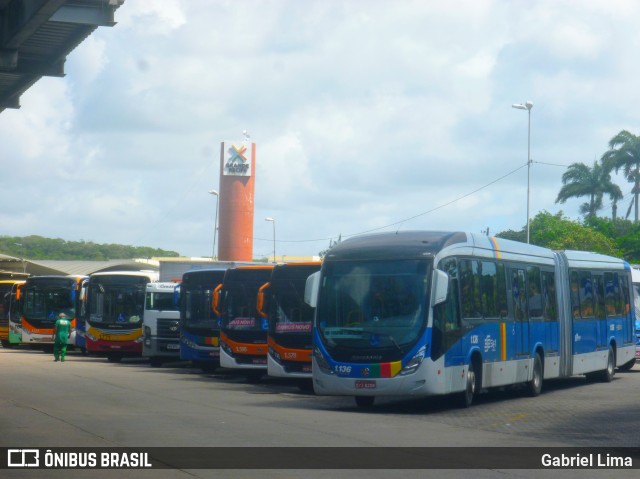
{"x": 624, "y": 153}
{"x": 36, "y": 247}
{"x": 624, "y": 233}
{"x": 559, "y": 233}
{"x": 579, "y": 180}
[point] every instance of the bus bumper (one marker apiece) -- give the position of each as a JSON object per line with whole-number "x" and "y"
{"x": 278, "y": 370}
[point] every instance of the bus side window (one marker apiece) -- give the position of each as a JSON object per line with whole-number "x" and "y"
{"x": 550, "y": 300}
{"x": 470, "y": 289}
{"x": 586, "y": 294}
{"x": 575, "y": 295}
{"x": 519, "y": 294}
{"x": 535, "y": 297}
{"x": 598, "y": 290}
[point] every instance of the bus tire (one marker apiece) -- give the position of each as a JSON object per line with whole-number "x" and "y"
{"x": 254, "y": 376}
{"x": 6, "y": 344}
{"x": 466, "y": 397}
{"x": 628, "y": 365}
{"x": 534, "y": 387}
{"x": 155, "y": 362}
{"x": 114, "y": 358}
{"x": 606, "y": 375}
{"x": 365, "y": 402}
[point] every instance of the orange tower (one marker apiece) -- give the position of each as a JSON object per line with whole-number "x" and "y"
{"x": 237, "y": 185}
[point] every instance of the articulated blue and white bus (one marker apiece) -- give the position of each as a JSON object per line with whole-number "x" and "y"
{"x": 429, "y": 313}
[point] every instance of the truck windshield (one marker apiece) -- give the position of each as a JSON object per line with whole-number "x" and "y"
{"x": 160, "y": 302}
{"x": 372, "y": 306}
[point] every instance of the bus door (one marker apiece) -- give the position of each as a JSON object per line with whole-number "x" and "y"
{"x": 520, "y": 310}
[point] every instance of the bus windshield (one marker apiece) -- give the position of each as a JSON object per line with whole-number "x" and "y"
{"x": 372, "y": 306}
{"x": 198, "y": 313}
{"x": 239, "y": 309}
{"x": 121, "y": 303}
{"x": 44, "y": 304}
{"x": 287, "y": 309}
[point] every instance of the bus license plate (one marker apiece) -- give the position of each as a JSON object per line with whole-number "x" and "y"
{"x": 365, "y": 384}
{"x": 173, "y": 346}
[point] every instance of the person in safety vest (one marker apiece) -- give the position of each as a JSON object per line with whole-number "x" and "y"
{"x": 61, "y": 334}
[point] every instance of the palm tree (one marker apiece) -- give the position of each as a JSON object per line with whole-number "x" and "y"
{"x": 579, "y": 180}
{"x": 624, "y": 153}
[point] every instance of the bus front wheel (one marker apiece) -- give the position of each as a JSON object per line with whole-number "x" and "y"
{"x": 114, "y": 358}
{"x": 466, "y": 397}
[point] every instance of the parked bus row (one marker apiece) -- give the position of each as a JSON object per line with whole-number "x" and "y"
{"x": 215, "y": 318}
{"x": 401, "y": 314}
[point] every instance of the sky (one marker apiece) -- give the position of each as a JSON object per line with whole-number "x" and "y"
{"x": 367, "y": 116}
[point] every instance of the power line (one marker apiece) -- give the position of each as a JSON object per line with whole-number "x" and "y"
{"x": 406, "y": 219}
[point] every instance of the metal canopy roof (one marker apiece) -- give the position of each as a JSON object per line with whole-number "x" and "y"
{"x": 10, "y": 266}
{"x": 37, "y": 35}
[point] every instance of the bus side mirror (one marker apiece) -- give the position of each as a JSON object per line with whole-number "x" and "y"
{"x": 311, "y": 289}
{"x": 260, "y": 300}
{"x": 439, "y": 287}
{"x": 216, "y": 300}
{"x": 176, "y": 296}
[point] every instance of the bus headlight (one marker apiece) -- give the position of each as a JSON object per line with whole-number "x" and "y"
{"x": 91, "y": 336}
{"x": 414, "y": 363}
{"x": 321, "y": 361}
{"x": 275, "y": 355}
{"x": 227, "y": 349}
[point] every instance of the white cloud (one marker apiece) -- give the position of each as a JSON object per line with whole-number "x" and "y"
{"x": 365, "y": 113}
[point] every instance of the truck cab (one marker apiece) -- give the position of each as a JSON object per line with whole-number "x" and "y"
{"x": 161, "y": 324}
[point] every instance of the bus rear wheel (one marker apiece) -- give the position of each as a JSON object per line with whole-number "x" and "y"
{"x": 534, "y": 387}
{"x": 365, "y": 402}
{"x": 606, "y": 375}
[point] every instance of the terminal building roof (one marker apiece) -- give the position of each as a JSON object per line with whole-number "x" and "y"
{"x": 37, "y": 35}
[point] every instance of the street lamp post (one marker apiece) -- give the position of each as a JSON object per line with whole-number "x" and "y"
{"x": 274, "y": 236}
{"x": 528, "y": 105}
{"x": 215, "y": 223}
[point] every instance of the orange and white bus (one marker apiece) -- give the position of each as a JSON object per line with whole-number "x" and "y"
{"x": 243, "y": 331}
{"x": 281, "y": 301}
{"x": 43, "y": 299}
{"x": 7, "y": 298}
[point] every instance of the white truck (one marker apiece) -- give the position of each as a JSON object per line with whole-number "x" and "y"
{"x": 161, "y": 324}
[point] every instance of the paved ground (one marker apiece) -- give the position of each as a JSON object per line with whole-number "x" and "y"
{"x": 89, "y": 402}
